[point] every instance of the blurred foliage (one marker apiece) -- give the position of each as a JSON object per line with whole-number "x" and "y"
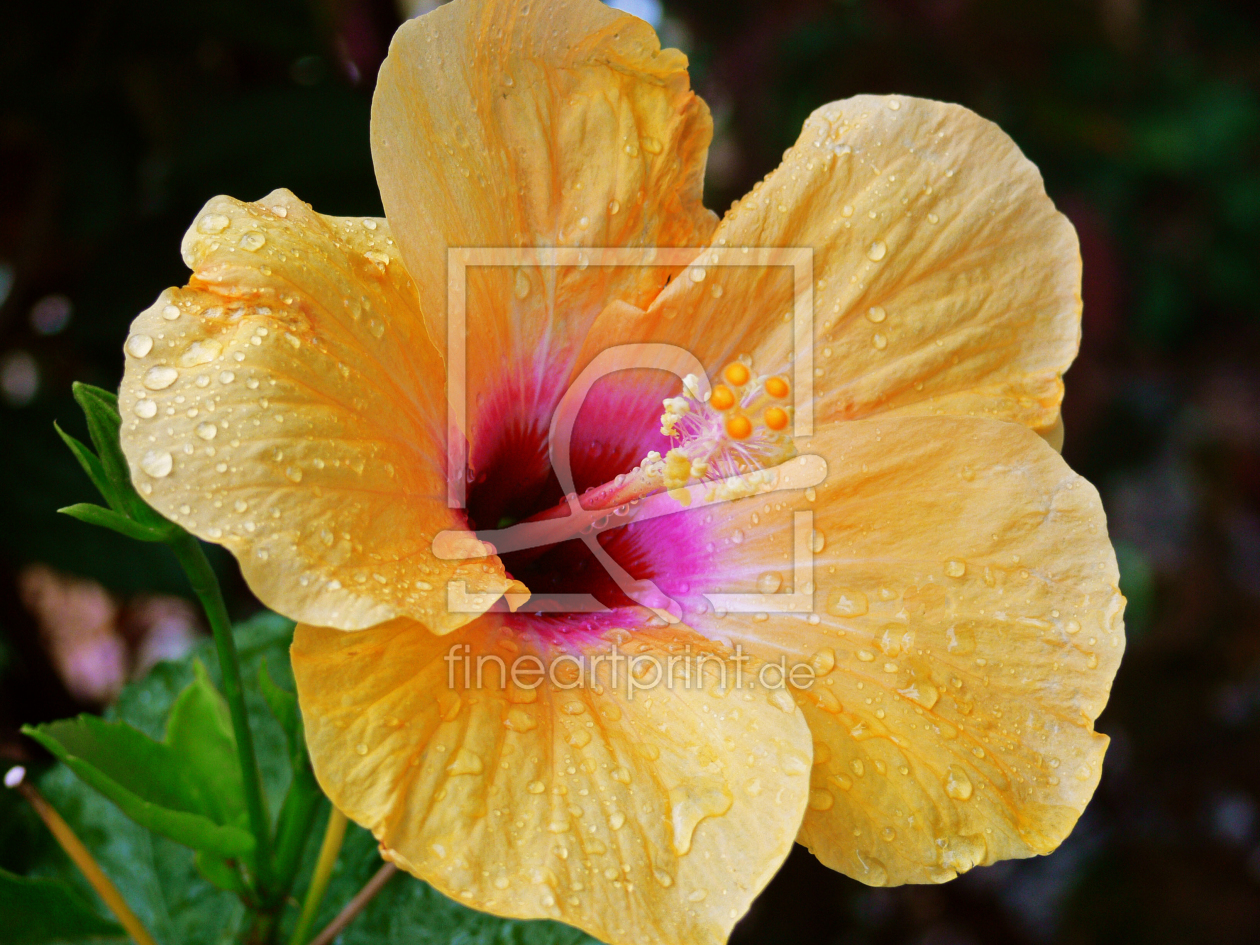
{"x": 120, "y": 118}
{"x": 159, "y": 878}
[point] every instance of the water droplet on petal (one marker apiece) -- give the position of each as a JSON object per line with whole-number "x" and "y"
{"x": 520, "y": 720}
{"x": 207, "y": 431}
{"x": 157, "y": 463}
{"x": 294, "y": 474}
{"x": 876, "y": 874}
{"x": 170, "y": 312}
{"x": 821, "y": 800}
{"x": 145, "y": 409}
{"x": 252, "y": 241}
{"x": 160, "y": 377}
{"x": 955, "y": 568}
{"x": 847, "y": 602}
{"x": 823, "y": 661}
{"x": 522, "y": 285}
{"x": 877, "y": 251}
{"x": 465, "y": 761}
{"x": 769, "y": 582}
{"x": 139, "y": 345}
{"x": 213, "y": 223}
{"x": 691, "y": 802}
{"x": 957, "y": 784}
{"x": 200, "y": 352}
{"x": 782, "y": 699}
{"x": 876, "y": 314}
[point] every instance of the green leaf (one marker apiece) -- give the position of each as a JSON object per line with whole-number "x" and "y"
{"x": 222, "y": 873}
{"x": 161, "y": 881}
{"x": 304, "y": 797}
{"x": 186, "y": 787}
{"x": 107, "y": 518}
{"x": 108, "y": 469}
{"x": 37, "y": 910}
{"x": 284, "y": 706}
{"x": 100, "y": 407}
{"x": 92, "y": 466}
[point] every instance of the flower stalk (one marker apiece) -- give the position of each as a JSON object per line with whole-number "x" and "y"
{"x": 356, "y": 905}
{"x": 82, "y": 858}
{"x": 206, "y": 586}
{"x": 130, "y": 515}
{"x": 329, "y": 850}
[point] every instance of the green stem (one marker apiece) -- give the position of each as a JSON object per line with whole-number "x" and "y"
{"x": 329, "y": 850}
{"x": 206, "y": 586}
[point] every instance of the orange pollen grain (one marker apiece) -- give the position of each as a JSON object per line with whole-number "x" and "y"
{"x": 776, "y": 418}
{"x": 736, "y": 374}
{"x": 739, "y": 427}
{"x": 777, "y": 387}
{"x": 721, "y": 398}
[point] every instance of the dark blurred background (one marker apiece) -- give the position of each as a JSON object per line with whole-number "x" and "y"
{"x": 119, "y": 118}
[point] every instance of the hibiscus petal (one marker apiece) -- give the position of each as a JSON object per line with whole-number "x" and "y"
{"x": 944, "y": 280}
{"x": 499, "y": 124}
{"x": 651, "y": 818}
{"x": 288, "y": 404}
{"x": 966, "y": 628}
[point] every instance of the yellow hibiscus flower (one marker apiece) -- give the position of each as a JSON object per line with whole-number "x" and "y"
{"x": 963, "y": 622}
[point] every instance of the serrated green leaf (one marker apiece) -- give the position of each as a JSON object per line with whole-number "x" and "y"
{"x": 39, "y": 910}
{"x": 108, "y": 518}
{"x": 155, "y": 783}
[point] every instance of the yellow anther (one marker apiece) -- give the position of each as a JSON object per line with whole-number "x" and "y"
{"x": 722, "y": 398}
{"x": 777, "y": 387}
{"x": 776, "y": 417}
{"x": 677, "y": 469}
{"x": 739, "y": 427}
{"x": 736, "y": 374}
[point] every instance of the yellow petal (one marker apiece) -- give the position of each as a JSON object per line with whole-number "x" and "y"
{"x": 944, "y": 281}
{"x": 288, "y": 404}
{"x": 966, "y": 628}
{"x": 497, "y": 124}
{"x": 651, "y": 818}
